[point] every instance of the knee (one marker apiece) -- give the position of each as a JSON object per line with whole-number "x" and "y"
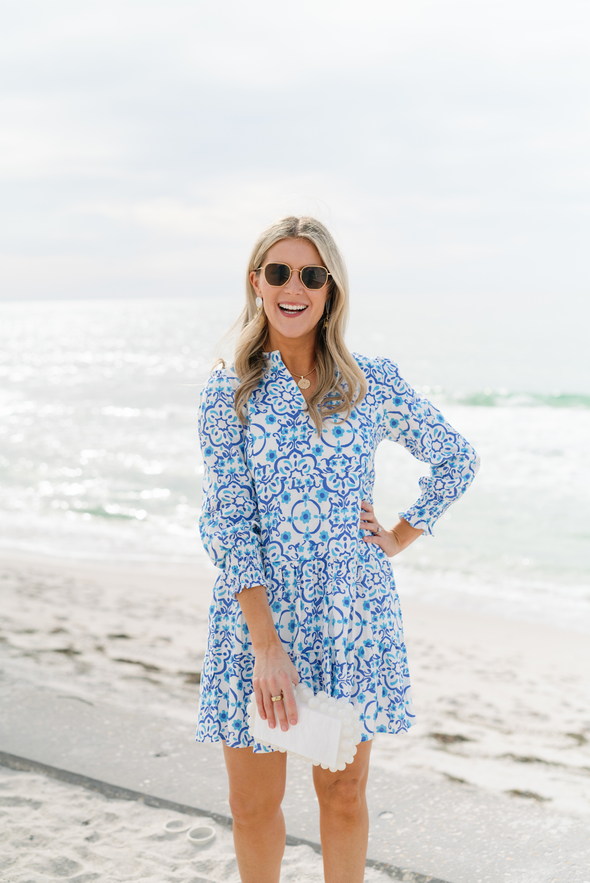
{"x": 342, "y": 797}
{"x": 254, "y": 807}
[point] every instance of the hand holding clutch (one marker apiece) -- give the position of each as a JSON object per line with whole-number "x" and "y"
{"x": 327, "y": 732}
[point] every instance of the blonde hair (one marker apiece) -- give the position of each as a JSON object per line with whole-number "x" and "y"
{"x": 341, "y": 383}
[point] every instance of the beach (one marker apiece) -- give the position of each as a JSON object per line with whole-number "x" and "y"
{"x": 58, "y": 830}
{"x": 501, "y": 707}
{"x": 105, "y": 591}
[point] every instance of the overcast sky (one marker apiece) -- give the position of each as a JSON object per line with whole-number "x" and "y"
{"x": 143, "y": 145}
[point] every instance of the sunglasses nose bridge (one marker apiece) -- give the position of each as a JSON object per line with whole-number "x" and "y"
{"x": 291, "y": 279}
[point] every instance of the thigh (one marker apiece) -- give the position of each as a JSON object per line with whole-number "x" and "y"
{"x": 256, "y": 781}
{"x": 354, "y": 774}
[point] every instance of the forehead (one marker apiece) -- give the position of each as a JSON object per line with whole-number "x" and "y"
{"x": 295, "y": 252}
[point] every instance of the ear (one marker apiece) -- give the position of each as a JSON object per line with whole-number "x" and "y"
{"x": 254, "y": 276}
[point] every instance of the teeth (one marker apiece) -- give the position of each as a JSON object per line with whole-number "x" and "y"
{"x": 291, "y": 308}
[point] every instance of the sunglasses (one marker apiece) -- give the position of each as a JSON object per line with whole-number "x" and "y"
{"x": 312, "y": 278}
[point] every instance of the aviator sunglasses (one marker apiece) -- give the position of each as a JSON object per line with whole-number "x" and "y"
{"x": 312, "y": 278}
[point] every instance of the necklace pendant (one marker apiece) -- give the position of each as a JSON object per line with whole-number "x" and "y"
{"x": 304, "y": 383}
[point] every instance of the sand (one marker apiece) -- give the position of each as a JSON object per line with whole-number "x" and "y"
{"x": 52, "y": 830}
{"x": 502, "y": 705}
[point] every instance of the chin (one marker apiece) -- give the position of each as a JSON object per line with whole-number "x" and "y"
{"x": 294, "y": 333}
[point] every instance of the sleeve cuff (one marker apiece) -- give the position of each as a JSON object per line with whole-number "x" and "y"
{"x": 244, "y": 570}
{"x": 419, "y": 518}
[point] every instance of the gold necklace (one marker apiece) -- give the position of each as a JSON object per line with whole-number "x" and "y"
{"x": 303, "y": 383}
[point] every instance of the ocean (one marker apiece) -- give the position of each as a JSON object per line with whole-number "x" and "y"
{"x": 99, "y": 455}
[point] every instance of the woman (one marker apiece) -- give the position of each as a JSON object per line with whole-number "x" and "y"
{"x": 306, "y": 590}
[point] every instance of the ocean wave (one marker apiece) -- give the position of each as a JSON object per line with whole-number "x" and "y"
{"x": 502, "y": 398}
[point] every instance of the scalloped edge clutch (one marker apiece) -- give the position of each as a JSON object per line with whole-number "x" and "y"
{"x": 326, "y": 734}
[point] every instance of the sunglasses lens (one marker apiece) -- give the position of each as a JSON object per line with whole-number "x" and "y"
{"x": 277, "y": 274}
{"x": 314, "y": 277}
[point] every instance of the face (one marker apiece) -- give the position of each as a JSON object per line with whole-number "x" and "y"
{"x": 293, "y": 311}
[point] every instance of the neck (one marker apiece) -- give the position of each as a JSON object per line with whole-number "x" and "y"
{"x": 298, "y": 354}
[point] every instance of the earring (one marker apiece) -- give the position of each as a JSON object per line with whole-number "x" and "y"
{"x": 327, "y": 315}
{"x": 259, "y": 303}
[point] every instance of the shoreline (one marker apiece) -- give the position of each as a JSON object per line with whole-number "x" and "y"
{"x": 515, "y": 599}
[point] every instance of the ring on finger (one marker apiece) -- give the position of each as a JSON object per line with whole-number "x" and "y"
{"x": 378, "y": 529}
{"x": 276, "y": 698}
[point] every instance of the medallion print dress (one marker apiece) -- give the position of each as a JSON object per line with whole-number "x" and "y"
{"x": 281, "y": 508}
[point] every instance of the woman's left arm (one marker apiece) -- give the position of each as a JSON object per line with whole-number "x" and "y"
{"x": 415, "y": 423}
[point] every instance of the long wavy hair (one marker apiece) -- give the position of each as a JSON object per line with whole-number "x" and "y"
{"x": 340, "y": 382}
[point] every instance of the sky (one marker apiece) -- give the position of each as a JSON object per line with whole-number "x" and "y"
{"x": 144, "y": 145}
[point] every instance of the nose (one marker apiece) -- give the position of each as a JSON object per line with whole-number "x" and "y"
{"x": 295, "y": 283}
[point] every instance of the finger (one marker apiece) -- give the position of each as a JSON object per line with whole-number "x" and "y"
{"x": 283, "y": 685}
{"x": 289, "y": 702}
{"x": 263, "y": 703}
{"x": 259, "y": 702}
{"x": 371, "y": 524}
{"x": 368, "y": 520}
{"x": 281, "y": 715}
{"x": 377, "y": 538}
{"x": 271, "y": 707}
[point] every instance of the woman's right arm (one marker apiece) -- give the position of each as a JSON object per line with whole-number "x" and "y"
{"x": 274, "y": 672}
{"x": 229, "y": 522}
{"x": 230, "y": 531}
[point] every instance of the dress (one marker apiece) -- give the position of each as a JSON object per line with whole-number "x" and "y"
{"x": 281, "y": 508}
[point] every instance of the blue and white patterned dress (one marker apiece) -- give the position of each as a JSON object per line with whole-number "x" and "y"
{"x": 281, "y": 508}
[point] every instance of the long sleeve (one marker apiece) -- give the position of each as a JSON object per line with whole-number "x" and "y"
{"x": 415, "y": 423}
{"x": 229, "y": 523}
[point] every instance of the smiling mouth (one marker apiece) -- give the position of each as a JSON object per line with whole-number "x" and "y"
{"x": 292, "y": 309}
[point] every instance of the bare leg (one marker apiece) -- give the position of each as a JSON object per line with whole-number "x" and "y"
{"x": 344, "y": 818}
{"x": 256, "y": 789}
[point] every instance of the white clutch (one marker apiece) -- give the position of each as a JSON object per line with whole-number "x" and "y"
{"x": 327, "y": 730}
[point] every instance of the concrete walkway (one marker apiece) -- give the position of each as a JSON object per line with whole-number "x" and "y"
{"x": 420, "y": 830}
